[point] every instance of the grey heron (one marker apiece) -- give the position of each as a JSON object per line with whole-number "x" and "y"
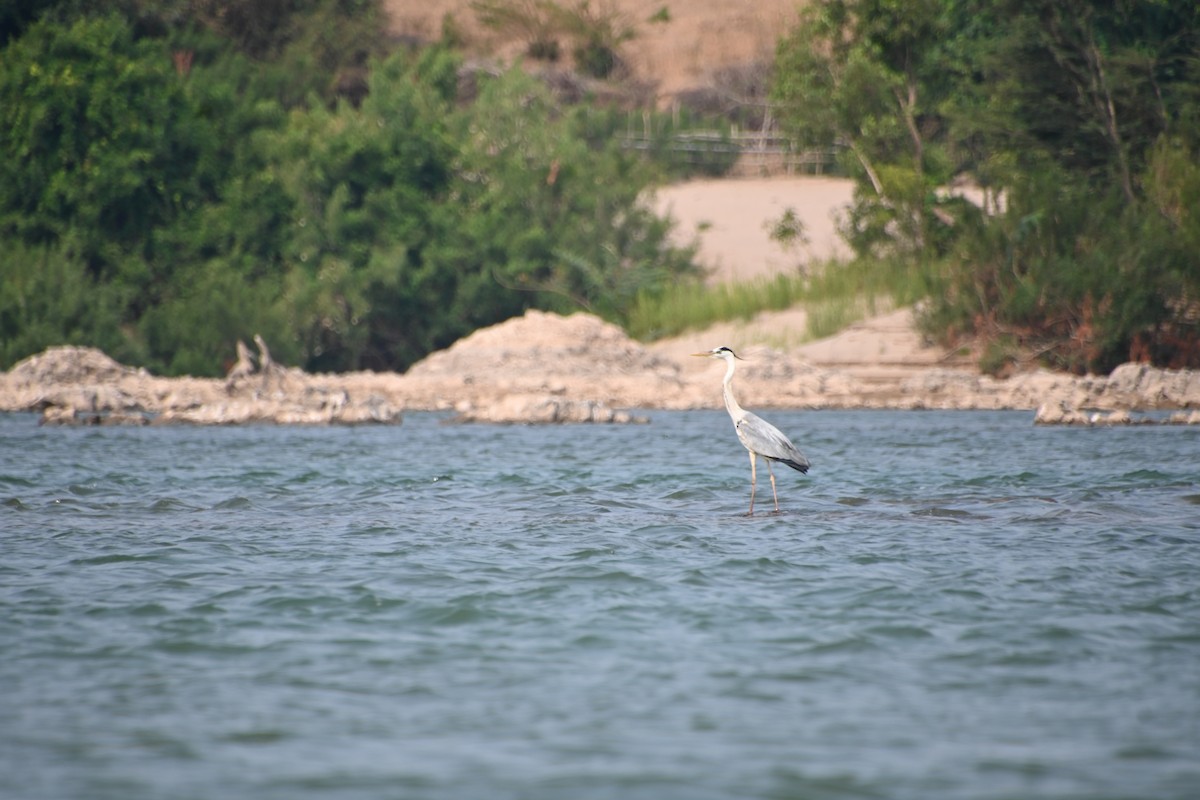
{"x": 758, "y": 436}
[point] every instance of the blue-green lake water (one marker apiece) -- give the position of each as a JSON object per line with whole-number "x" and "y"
{"x": 950, "y": 605}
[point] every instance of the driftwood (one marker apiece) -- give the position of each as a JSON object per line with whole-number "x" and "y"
{"x": 242, "y": 369}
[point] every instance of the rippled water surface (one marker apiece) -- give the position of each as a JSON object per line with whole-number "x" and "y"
{"x": 951, "y": 605}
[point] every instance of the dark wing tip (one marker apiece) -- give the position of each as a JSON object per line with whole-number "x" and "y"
{"x": 800, "y": 465}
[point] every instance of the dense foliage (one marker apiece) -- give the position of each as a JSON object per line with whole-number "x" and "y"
{"x": 1080, "y": 123}
{"x": 165, "y": 190}
{"x": 179, "y": 174}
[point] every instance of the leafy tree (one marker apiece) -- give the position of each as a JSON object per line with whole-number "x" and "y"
{"x": 141, "y": 172}
{"x": 48, "y": 298}
{"x": 1089, "y": 102}
{"x": 1066, "y": 114}
{"x": 401, "y": 237}
{"x": 90, "y": 119}
{"x": 168, "y": 181}
{"x": 193, "y": 330}
{"x": 863, "y": 74}
{"x": 1088, "y": 86}
{"x": 361, "y": 184}
{"x": 584, "y": 239}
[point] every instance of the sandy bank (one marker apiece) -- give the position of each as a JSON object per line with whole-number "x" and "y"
{"x": 731, "y": 222}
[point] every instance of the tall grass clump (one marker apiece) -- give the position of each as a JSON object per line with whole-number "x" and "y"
{"x": 835, "y": 294}
{"x": 691, "y": 305}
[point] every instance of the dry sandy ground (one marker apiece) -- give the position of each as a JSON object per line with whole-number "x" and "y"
{"x": 732, "y": 219}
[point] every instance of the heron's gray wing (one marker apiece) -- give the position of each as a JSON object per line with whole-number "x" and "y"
{"x": 765, "y": 439}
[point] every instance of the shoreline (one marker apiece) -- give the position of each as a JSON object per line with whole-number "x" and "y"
{"x": 547, "y": 368}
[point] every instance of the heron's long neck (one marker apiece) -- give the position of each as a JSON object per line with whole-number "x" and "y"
{"x": 731, "y": 403}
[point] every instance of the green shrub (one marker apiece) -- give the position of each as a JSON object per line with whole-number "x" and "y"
{"x": 48, "y": 297}
{"x": 998, "y": 357}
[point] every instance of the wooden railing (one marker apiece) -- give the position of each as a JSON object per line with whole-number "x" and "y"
{"x": 753, "y": 154}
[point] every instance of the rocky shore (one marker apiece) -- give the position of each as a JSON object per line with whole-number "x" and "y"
{"x": 545, "y": 368}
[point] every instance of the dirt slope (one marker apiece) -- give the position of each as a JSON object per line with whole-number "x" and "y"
{"x": 697, "y": 38}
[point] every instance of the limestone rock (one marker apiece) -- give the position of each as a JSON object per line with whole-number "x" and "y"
{"x": 1059, "y": 413}
{"x": 83, "y": 386}
{"x": 578, "y": 357}
{"x": 68, "y": 365}
{"x": 543, "y": 367}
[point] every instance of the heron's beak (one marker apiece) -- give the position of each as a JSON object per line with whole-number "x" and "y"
{"x": 702, "y": 355}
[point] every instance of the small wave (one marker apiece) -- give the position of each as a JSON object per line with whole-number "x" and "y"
{"x": 149, "y": 610}
{"x": 847, "y": 645}
{"x": 588, "y": 553}
{"x": 189, "y": 646}
{"x": 591, "y": 641}
{"x": 690, "y": 493}
{"x": 1001, "y": 479}
{"x": 612, "y": 576}
{"x": 294, "y": 603}
{"x": 761, "y": 566}
{"x": 1051, "y": 516}
{"x": 899, "y": 632}
{"x": 114, "y": 558}
{"x": 65, "y": 502}
{"x": 451, "y": 615}
{"x": 1152, "y": 475}
{"x": 1144, "y": 752}
{"x": 234, "y": 503}
{"x": 17, "y": 480}
{"x": 257, "y": 476}
{"x": 943, "y": 513}
{"x": 258, "y": 736}
{"x": 166, "y": 505}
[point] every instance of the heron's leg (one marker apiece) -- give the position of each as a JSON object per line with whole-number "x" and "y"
{"x": 753, "y": 479}
{"x": 771, "y": 472}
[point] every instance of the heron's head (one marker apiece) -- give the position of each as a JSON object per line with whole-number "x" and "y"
{"x": 723, "y": 353}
